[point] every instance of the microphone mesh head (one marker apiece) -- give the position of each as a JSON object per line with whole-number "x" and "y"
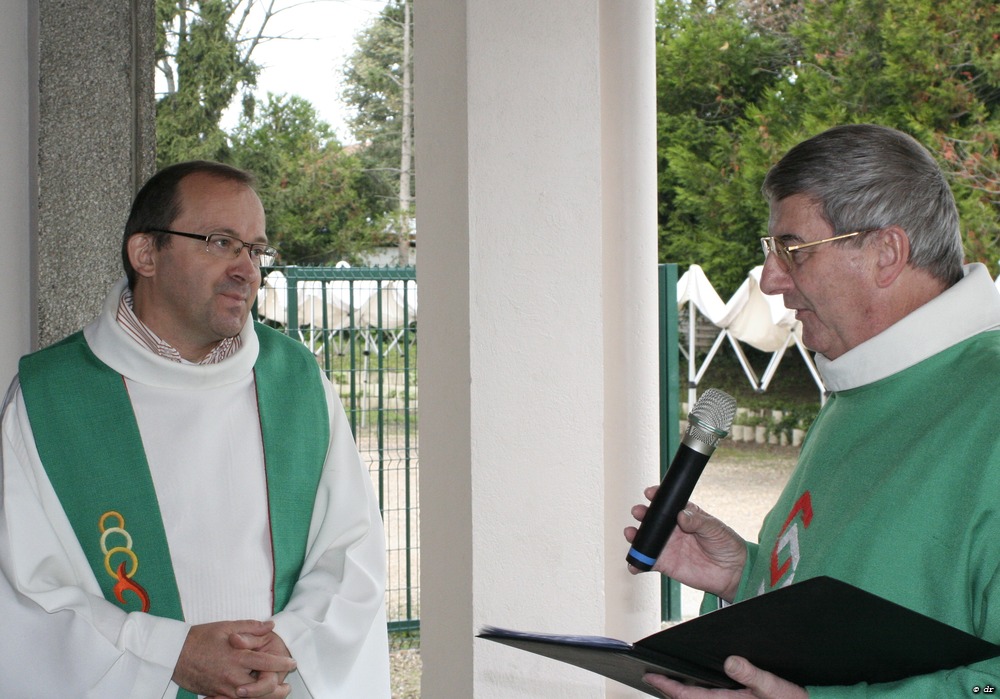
{"x": 712, "y": 417}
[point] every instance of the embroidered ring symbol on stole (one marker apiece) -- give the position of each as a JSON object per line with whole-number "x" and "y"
{"x": 124, "y": 577}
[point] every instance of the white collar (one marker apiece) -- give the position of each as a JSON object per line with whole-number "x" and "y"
{"x": 121, "y": 352}
{"x": 968, "y": 308}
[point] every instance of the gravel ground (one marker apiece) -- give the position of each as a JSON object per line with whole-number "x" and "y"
{"x": 739, "y": 485}
{"x": 742, "y": 481}
{"x": 405, "y": 669}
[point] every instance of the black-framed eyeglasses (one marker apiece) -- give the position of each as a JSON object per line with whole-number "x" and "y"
{"x": 228, "y": 247}
{"x": 783, "y": 253}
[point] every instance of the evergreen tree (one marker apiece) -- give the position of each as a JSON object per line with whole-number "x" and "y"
{"x": 713, "y": 66}
{"x": 321, "y": 205}
{"x": 929, "y": 68}
{"x": 378, "y": 78}
{"x": 199, "y": 56}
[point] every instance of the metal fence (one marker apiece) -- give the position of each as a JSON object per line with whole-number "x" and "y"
{"x": 361, "y": 325}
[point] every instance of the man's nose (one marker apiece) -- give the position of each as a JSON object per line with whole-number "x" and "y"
{"x": 773, "y": 278}
{"x": 243, "y": 266}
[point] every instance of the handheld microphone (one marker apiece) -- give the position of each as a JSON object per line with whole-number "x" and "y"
{"x": 709, "y": 421}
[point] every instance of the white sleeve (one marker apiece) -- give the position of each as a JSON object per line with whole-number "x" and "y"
{"x": 334, "y": 624}
{"x": 61, "y": 638}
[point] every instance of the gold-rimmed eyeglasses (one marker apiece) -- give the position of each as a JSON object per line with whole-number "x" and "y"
{"x": 783, "y": 253}
{"x": 228, "y": 247}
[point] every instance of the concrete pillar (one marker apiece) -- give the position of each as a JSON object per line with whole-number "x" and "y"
{"x": 96, "y": 143}
{"x": 17, "y": 76}
{"x": 77, "y": 134}
{"x": 536, "y": 197}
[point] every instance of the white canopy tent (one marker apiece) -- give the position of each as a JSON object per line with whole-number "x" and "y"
{"x": 750, "y": 317}
{"x": 320, "y": 305}
{"x": 329, "y": 306}
{"x": 390, "y": 308}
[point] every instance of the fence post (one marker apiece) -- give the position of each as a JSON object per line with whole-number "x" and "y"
{"x": 292, "y": 304}
{"x": 670, "y": 590}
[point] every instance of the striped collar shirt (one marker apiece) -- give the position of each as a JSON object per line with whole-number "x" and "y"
{"x": 141, "y": 333}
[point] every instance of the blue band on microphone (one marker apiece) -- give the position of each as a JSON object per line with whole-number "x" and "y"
{"x": 642, "y": 558}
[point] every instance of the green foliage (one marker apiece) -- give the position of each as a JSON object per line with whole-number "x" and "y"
{"x": 321, "y": 207}
{"x": 741, "y": 82}
{"x": 373, "y": 76}
{"x": 712, "y": 67}
{"x": 199, "y": 54}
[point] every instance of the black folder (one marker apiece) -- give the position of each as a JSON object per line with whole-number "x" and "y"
{"x": 817, "y": 632}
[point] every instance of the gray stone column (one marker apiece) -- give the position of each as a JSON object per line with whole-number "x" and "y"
{"x": 96, "y": 144}
{"x": 16, "y": 191}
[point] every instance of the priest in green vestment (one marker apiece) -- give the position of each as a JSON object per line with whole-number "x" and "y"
{"x": 184, "y": 511}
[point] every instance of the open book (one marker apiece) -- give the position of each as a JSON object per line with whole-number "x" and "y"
{"x": 817, "y": 632}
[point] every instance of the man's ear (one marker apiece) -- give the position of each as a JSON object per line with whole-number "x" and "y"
{"x": 893, "y": 255}
{"x": 142, "y": 254}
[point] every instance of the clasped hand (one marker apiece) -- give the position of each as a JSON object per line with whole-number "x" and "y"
{"x": 703, "y": 553}
{"x": 234, "y": 659}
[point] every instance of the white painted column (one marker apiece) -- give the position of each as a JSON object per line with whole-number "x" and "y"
{"x": 628, "y": 99}
{"x": 536, "y": 216}
{"x": 16, "y": 176}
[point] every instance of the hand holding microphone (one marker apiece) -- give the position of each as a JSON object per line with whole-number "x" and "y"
{"x": 708, "y": 422}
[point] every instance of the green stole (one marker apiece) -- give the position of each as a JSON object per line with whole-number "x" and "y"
{"x": 89, "y": 443}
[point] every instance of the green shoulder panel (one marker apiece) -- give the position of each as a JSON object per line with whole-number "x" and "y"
{"x": 88, "y": 440}
{"x": 296, "y": 427}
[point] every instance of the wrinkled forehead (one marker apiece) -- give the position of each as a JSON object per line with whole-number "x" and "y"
{"x": 796, "y": 212}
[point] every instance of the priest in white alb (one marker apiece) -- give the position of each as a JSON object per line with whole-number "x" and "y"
{"x": 183, "y": 510}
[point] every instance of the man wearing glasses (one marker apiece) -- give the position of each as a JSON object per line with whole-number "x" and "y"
{"x": 184, "y": 511}
{"x": 898, "y": 480}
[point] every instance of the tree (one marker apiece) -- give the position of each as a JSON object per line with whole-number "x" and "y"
{"x": 928, "y": 67}
{"x": 204, "y": 61}
{"x": 321, "y": 207}
{"x": 378, "y": 76}
{"x": 713, "y": 66}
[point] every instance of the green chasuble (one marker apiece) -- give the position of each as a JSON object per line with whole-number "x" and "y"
{"x": 89, "y": 443}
